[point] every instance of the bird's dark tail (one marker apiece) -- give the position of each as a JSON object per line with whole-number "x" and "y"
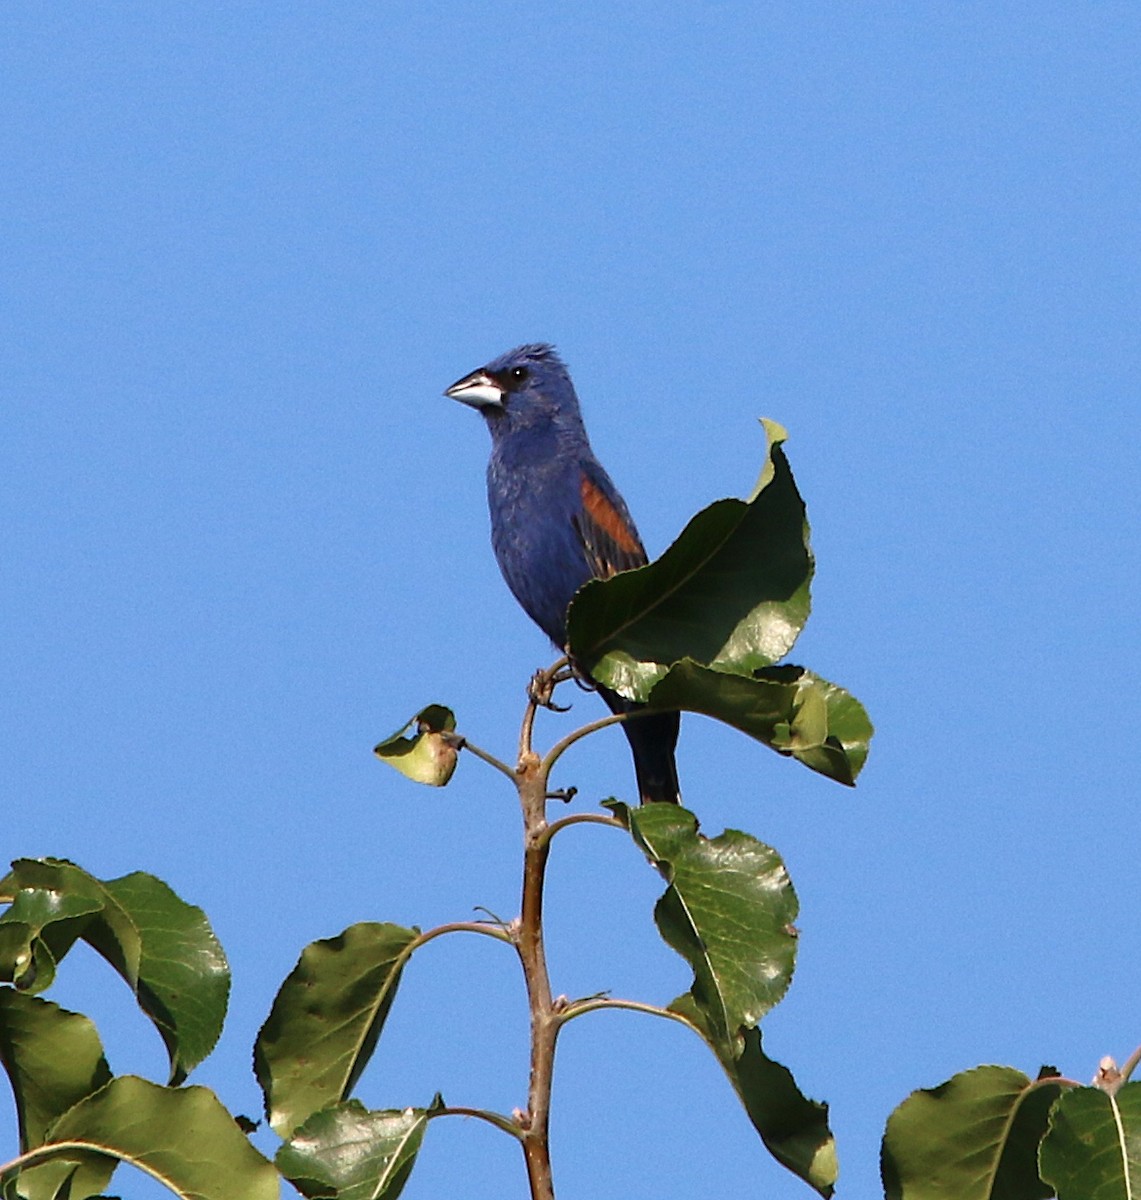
{"x": 652, "y": 739}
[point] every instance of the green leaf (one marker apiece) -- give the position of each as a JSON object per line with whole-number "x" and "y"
{"x": 184, "y": 980}
{"x": 52, "y": 903}
{"x": 786, "y": 708}
{"x": 731, "y": 593}
{"x": 162, "y": 947}
{"x": 428, "y": 756}
{"x": 25, "y": 959}
{"x": 53, "y": 1059}
{"x": 1092, "y": 1150}
{"x": 793, "y": 1128}
{"x": 974, "y": 1137}
{"x": 74, "y": 1175}
{"x": 326, "y": 1019}
{"x": 182, "y": 1137}
{"x": 349, "y": 1153}
{"x": 728, "y": 911}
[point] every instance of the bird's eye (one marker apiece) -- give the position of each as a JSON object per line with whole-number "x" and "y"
{"x": 518, "y": 374}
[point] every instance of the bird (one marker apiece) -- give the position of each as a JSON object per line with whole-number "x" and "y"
{"x": 557, "y": 521}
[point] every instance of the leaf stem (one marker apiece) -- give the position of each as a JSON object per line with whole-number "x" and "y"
{"x": 595, "y": 1003}
{"x": 461, "y": 743}
{"x": 560, "y": 748}
{"x": 488, "y": 929}
{"x": 579, "y": 819}
{"x": 506, "y": 1124}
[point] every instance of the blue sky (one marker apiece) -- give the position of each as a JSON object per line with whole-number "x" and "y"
{"x": 244, "y": 536}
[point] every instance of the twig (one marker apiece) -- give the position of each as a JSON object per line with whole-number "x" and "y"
{"x": 1130, "y": 1065}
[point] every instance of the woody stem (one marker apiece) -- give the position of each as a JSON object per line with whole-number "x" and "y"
{"x": 531, "y": 777}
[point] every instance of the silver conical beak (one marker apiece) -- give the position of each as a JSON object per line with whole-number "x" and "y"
{"x": 477, "y": 389}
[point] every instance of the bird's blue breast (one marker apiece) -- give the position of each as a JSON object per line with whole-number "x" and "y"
{"x": 534, "y": 496}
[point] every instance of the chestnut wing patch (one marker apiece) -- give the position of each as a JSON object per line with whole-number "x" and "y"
{"x": 610, "y": 541}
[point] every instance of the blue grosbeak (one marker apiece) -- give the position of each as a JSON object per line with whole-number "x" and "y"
{"x": 557, "y": 520}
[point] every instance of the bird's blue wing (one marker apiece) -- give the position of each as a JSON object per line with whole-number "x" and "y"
{"x": 609, "y": 539}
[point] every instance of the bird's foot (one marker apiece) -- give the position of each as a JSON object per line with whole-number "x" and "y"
{"x": 566, "y": 795}
{"x": 541, "y": 689}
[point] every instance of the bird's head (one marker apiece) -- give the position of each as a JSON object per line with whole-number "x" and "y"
{"x": 524, "y": 388}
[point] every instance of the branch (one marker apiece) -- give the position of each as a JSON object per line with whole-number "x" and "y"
{"x": 1130, "y": 1065}
{"x": 531, "y": 781}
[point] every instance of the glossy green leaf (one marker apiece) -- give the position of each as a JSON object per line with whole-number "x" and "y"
{"x": 72, "y": 1175}
{"x": 163, "y": 947}
{"x": 1092, "y": 1150}
{"x": 53, "y": 903}
{"x": 793, "y": 1128}
{"x": 974, "y": 1137}
{"x": 732, "y": 592}
{"x": 183, "y": 1137}
{"x": 326, "y": 1019}
{"x": 53, "y": 1059}
{"x": 786, "y": 708}
{"x": 25, "y": 958}
{"x": 349, "y": 1153}
{"x": 428, "y": 755}
{"x": 184, "y": 980}
{"x": 728, "y": 911}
